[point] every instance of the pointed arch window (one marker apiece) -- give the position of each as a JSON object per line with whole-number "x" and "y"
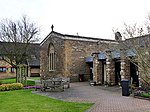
{"x": 51, "y": 58}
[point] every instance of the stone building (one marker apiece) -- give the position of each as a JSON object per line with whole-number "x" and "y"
{"x": 85, "y": 58}
{"x": 65, "y": 55}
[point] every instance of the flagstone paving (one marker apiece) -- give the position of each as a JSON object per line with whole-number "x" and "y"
{"x": 105, "y": 99}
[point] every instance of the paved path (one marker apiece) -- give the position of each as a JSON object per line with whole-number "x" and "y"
{"x": 106, "y": 99}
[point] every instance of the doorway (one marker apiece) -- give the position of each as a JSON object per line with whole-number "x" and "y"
{"x": 117, "y": 73}
{"x": 104, "y": 77}
{"x": 90, "y": 67}
{"x": 134, "y": 74}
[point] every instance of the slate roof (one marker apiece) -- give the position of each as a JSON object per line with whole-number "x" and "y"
{"x": 115, "y": 55}
{"x": 34, "y": 50}
{"x": 75, "y": 37}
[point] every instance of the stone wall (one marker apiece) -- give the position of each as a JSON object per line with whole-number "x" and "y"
{"x": 75, "y": 53}
{"x": 59, "y": 53}
{"x": 70, "y": 58}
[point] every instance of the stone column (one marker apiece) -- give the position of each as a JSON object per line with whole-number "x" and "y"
{"x": 127, "y": 69}
{"x": 108, "y": 65}
{"x": 123, "y": 64}
{"x": 113, "y": 72}
{"x": 110, "y": 74}
{"x": 100, "y": 71}
{"x": 96, "y": 70}
{"x": 139, "y": 73}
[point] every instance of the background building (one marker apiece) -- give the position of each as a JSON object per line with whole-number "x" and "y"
{"x": 32, "y": 63}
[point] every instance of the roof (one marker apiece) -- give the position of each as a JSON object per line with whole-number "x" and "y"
{"x": 33, "y": 51}
{"x": 140, "y": 40}
{"x": 75, "y": 37}
{"x": 34, "y": 62}
{"x": 115, "y": 55}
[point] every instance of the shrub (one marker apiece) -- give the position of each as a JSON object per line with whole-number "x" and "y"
{"x": 13, "y": 86}
{"x": 145, "y": 95}
{"x": 29, "y": 83}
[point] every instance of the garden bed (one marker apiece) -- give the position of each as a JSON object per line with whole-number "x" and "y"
{"x": 142, "y": 93}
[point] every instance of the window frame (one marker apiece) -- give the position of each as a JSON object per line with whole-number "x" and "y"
{"x": 12, "y": 70}
{"x": 51, "y": 58}
{"x": 3, "y": 69}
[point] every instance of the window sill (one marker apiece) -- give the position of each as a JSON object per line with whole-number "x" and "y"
{"x": 52, "y": 70}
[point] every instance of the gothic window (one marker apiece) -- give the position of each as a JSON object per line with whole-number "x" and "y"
{"x": 51, "y": 57}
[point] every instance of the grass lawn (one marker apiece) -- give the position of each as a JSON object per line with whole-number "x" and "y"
{"x": 25, "y": 101}
{"x": 34, "y": 78}
{"x": 13, "y": 80}
{"x": 8, "y": 81}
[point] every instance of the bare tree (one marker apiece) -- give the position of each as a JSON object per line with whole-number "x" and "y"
{"x": 137, "y": 41}
{"x": 15, "y": 38}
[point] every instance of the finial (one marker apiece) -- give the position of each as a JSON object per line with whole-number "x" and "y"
{"x": 52, "y": 27}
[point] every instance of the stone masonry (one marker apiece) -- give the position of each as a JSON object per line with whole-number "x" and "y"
{"x": 70, "y": 56}
{"x": 59, "y": 52}
{"x": 70, "y": 52}
{"x": 110, "y": 69}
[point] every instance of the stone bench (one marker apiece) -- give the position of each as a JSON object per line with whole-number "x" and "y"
{"x": 52, "y": 84}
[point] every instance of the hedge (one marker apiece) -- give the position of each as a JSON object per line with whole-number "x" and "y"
{"x": 9, "y": 87}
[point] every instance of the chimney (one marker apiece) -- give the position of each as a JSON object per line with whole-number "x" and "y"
{"x": 118, "y": 36}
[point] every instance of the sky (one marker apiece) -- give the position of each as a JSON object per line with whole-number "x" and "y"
{"x": 91, "y": 18}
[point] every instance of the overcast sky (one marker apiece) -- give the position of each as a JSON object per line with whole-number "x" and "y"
{"x": 92, "y": 18}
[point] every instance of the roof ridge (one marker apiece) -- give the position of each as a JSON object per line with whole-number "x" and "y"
{"x": 78, "y": 36}
{"x": 74, "y": 36}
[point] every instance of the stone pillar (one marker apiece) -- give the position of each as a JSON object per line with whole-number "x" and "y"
{"x": 122, "y": 72}
{"x": 96, "y": 68}
{"x": 139, "y": 73}
{"x": 125, "y": 66}
{"x": 127, "y": 69}
{"x": 108, "y": 66}
{"x": 110, "y": 73}
{"x": 100, "y": 71}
